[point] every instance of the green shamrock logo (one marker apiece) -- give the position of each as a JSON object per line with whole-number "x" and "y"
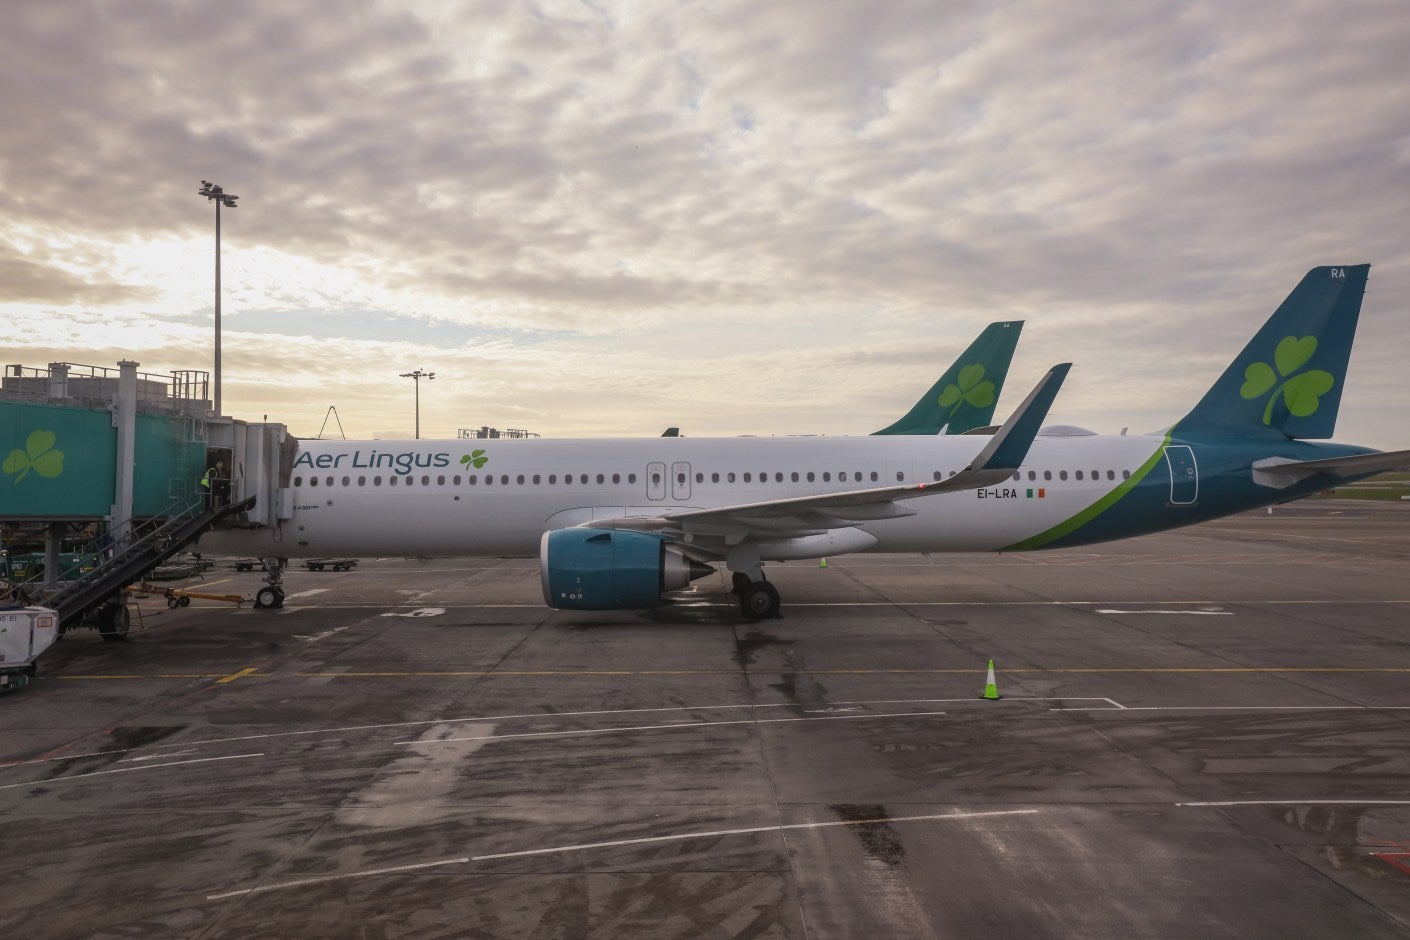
{"x": 38, "y": 455}
{"x": 476, "y": 459}
{"x": 1301, "y": 391}
{"x": 970, "y": 389}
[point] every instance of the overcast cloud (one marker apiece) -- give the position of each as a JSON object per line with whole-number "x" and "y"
{"x": 605, "y": 218}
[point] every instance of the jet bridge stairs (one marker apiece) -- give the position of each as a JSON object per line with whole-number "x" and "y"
{"x": 96, "y": 599}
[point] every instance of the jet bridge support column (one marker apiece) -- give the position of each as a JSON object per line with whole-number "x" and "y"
{"x": 53, "y": 545}
{"x": 125, "y": 420}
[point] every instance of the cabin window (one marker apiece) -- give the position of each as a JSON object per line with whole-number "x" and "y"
{"x": 827, "y": 476}
{"x": 1047, "y": 474}
{"x": 1032, "y": 474}
{"x": 441, "y": 480}
{"x": 795, "y": 476}
{"x": 489, "y": 479}
{"x": 700, "y": 477}
{"x": 730, "y": 476}
{"x": 747, "y": 477}
{"x": 1016, "y": 475}
{"x": 472, "y": 479}
{"x": 347, "y": 481}
{"x": 1079, "y": 474}
{"x": 568, "y": 479}
{"x": 1111, "y": 474}
{"x": 426, "y": 479}
{"x": 631, "y": 477}
{"x": 519, "y": 479}
{"x": 455, "y": 480}
{"x": 714, "y": 478}
{"x": 298, "y": 481}
{"x": 537, "y": 479}
{"x": 680, "y": 478}
{"x": 362, "y": 481}
{"x": 1062, "y": 474}
{"x": 552, "y": 479}
{"x": 1096, "y": 474}
{"x": 810, "y": 476}
{"x": 616, "y": 478}
{"x": 408, "y": 481}
{"x": 900, "y": 476}
{"x": 1125, "y": 474}
{"x": 875, "y": 476}
{"x": 377, "y": 481}
{"x": 601, "y": 478}
{"x": 655, "y": 479}
{"x": 583, "y": 478}
{"x": 313, "y": 481}
{"x": 392, "y": 480}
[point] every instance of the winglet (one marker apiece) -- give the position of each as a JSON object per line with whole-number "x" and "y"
{"x": 1008, "y": 447}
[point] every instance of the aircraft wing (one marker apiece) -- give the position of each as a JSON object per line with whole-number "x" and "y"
{"x": 805, "y": 515}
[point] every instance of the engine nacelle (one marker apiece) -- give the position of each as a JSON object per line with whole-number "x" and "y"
{"x": 609, "y": 569}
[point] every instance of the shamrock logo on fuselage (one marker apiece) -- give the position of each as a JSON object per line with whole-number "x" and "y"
{"x": 1301, "y": 391}
{"x": 38, "y": 455}
{"x": 972, "y": 388}
{"x": 476, "y": 459}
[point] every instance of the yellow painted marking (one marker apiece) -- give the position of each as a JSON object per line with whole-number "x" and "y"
{"x": 236, "y": 675}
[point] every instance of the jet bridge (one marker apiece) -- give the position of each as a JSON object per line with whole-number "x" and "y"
{"x": 112, "y": 457}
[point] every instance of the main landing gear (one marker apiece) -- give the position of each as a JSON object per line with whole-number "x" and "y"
{"x": 272, "y": 594}
{"x": 758, "y": 600}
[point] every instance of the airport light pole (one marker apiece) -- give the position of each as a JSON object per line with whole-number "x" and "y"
{"x": 417, "y": 376}
{"x": 221, "y": 198}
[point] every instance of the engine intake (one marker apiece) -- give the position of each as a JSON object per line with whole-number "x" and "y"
{"x": 597, "y": 569}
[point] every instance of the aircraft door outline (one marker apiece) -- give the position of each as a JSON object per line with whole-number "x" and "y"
{"x": 1184, "y": 474}
{"x": 680, "y": 481}
{"x": 656, "y": 480}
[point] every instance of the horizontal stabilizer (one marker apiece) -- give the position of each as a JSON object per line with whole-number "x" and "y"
{"x": 1276, "y": 471}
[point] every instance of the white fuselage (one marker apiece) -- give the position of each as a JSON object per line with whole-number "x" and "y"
{"x": 374, "y": 498}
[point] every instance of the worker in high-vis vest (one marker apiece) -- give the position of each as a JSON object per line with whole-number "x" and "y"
{"x": 215, "y": 485}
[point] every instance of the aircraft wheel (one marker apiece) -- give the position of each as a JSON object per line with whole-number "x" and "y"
{"x": 113, "y": 622}
{"x": 173, "y": 602}
{"x": 759, "y": 601}
{"x": 268, "y": 597}
{"x": 185, "y": 602}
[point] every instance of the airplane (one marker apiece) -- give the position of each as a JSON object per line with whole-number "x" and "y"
{"x": 962, "y": 400}
{"x": 620, "y": 524}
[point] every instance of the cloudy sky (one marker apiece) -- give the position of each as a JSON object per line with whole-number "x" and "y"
{"x": 599, "y": 218}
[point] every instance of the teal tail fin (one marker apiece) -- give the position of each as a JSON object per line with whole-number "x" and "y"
{"x": 1288, "y": 380}
{"x": 964, "y": 397}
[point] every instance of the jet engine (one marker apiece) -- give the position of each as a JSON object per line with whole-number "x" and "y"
{"x": 606, "y": 569}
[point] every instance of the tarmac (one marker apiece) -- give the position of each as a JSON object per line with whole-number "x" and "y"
{"x": 1201, "y": 733}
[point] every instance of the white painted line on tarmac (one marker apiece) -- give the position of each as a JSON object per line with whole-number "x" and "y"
{"x": 1314, "y": 801}
{"x": 1244, "y": 708}
{"x": 123, "y": 770}
{"x": 418, "y": 612}
{"x": 933, "y": 817}
{"x": 600, "y": 711}
{"x": 1195, "y": 613}
{"x": 646, "y": 840}
{"x": 665, "y": 727}
{"x": 321, "y": 636}
{"x": 309, "y": 593}
{"x": 325, "y": 878}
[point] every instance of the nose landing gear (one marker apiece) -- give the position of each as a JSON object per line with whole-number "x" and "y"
{"x": 272, "y": 594}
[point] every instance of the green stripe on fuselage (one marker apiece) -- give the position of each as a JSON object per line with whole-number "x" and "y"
{"x": 1073, "y": 523}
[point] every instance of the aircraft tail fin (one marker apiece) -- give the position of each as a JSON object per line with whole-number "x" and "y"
{"x": 965, "y": 395}
{"x": 1288, "y": 379}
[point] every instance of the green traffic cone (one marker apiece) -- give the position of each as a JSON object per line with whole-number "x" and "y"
{"x": 822, "y": 563}
{"x": 991, "y": 689}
